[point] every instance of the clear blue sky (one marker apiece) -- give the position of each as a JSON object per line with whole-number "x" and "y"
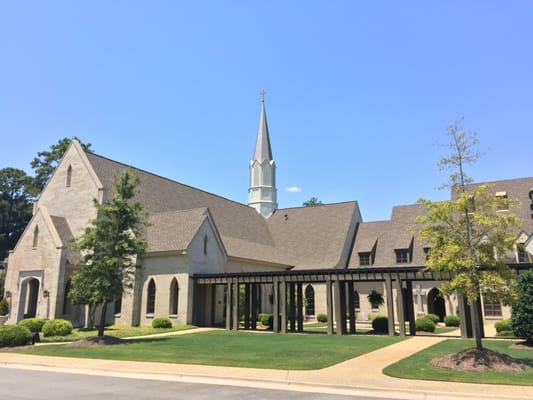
{"x": 358, "y": 92}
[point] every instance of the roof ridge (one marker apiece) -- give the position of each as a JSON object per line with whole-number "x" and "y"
{"x": 167, "y": 179}
{"x": 501, "y": 180}
{"x": 319, "y": 205}
{"x": 180, "y": 210}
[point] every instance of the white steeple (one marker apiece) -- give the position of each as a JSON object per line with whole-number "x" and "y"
{"x": 262, "y": 194}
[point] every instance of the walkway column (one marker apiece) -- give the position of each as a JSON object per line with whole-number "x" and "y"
{"x": 400, "y": 305}
{"x": 228, "y": 305}
{"x": 340, "y": 322}
{"x": 292, "y": 307}
{"x": 300, "y": 305}
{"x": 351, "y": 306}
{"x": 247, "y": 309}
{"x": 390, "y": 304}
{"x": 235, "y": 313}
{"x": 283, "y": 304}
{"x": 410, "y": 311}
{"x": 255, "y": 292}
{"x": 465, "y": 319}
{"x": 275, "y": 306}
{"x": 329, "y": 304}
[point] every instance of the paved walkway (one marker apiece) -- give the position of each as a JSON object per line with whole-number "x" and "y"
{"x": 361, "y": 374}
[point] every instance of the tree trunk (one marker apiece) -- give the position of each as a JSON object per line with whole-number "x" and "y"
{"x": 102, "y": 320}
{"x": 476, "y": 328}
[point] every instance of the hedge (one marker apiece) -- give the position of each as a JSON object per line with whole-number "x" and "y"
{"x": 434, "y": 317}
{"x": 503, "y": 325}
{"x": 14, "y": 335}
{"x": 322, "y": 318}
{"x": 380, "y": 324}
{"x": 162, "y": 322}
{"x": 266, "y": 320}
{"x": 57, "y": 327}
{"x": 33, "y": 324}
{"x": 425, "y": 324}
{"x": 452, "y": 320}
{"x": 4, "y": 307}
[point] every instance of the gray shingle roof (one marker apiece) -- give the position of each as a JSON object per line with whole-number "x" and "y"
{"x": 65, "y": 234}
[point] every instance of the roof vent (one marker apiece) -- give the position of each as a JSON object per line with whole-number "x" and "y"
{"x": 286, "y": 217}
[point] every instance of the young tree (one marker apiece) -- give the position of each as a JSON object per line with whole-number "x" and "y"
{"x": 467, "y": 235}
{"x": 109, "y": 248}
{"x": 15, "y": 207}
{"x": 313, "y": 201}
{"x": 46, "y": 162}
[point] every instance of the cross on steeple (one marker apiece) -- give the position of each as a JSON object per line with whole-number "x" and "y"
{"x": 262, "y": 93}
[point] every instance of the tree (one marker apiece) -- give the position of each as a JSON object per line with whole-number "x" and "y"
{"x": 375, "y": 299}
{"x": 109, "y": 247}
{"x": 46, "y": 162}
{"x": 467, "y": 234}
{"x": 15, "y": 207}
{"x": 522, "y": 314}
{"x": 313, "y": 201}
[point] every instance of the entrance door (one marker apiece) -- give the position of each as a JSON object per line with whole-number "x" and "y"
{"x": 436, "y": 304}
{"x": 31, "y": 298}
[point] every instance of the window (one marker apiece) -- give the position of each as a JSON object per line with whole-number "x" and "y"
{"x": 66, "y": 302}
{"x": 365, "y": 259}
{"x": 356, "y": 300}
{"x": 521, "y": 253}
{"x": 492, "y": 309}
{"x": 426, "y": 252}
{"x": 69, "y": 175}
{"x": 310, "y": 300}
{"x": 174, "y": 291}
{"x": 118, "y": 306}
{"x": 205, "y": 244}
{"x": 150, "y": 298}
{"x": 503, "y": 201}
{"x": 35, "y": 237}
{"x": 402, "y": 256}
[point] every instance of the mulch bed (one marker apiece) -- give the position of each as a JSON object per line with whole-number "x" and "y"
{"x": 522, "y": 346}
{"x": 96, "y": 341}
{"x": 472, "y": 360}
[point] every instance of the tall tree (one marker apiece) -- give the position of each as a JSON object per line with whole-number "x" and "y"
{"x": 46, "y": 162}
{"x": 313, "y": 201}
{"x": 110, "y": 246}
{"x": 15, "y": 207}
{"x": 469, "y": 237}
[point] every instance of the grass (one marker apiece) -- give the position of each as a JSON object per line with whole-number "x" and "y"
{"x": 236, "y": 349}
{"x": 322, "y": 327}
{"x": 444, "y": 329}
{"x": 418, "y": 365}
{"x": 117, "y": 331}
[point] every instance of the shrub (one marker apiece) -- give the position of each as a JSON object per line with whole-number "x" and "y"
{"x": 33, "y": 324}
{"x": 57, "y": 327}
{"x": 266, "y": 320}
{"x": 162, "y": 322}
{"x": 452, "y": 320}
{"x": 14, "y": 335}
{"x": 4, "y": 307}
{"x": 522, "y": 314}
{"x": 380, "y": 324}
{"x": 505, "y": 333}
{"x": 434, "y": 317}
{"x": 425, "y": 324}
{"x": 503, "y": 325}
{"x": 322, "y": 318}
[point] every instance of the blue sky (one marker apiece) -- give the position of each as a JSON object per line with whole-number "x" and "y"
{"x": 359, "y": 93}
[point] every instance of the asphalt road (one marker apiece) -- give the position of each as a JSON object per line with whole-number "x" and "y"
{"x": 18, "y": 384}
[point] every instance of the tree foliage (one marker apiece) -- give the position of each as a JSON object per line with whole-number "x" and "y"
{"x": 313, "y": 201}
{"x": 47, "y": 161}
{"x": 109, "y": 248}
{"x": 15, "y": 207}
{"x": 468, "y": 235}
{"x": 522, "y": 314}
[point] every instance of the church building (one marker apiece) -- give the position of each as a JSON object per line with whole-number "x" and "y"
{"x": 192, "y": 232}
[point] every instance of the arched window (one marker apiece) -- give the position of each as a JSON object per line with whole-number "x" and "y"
{"x": 205, "y": 244}
{"x": 69, "y": 175}
{"x": 150, "y": 298}
{"x": 66, "y": 301}
{"x": 36, "y": 236}
{"x": 174, "y": 293}
{"x": 356, "y": 300}
{"x": 309, "y": 300}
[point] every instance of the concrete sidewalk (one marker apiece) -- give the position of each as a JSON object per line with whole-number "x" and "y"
{"x": 360, "y": 375}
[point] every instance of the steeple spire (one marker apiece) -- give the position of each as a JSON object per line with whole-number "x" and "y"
{"x": 263, "y": 150}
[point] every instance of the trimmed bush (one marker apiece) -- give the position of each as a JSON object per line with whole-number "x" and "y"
{"x": 434, "y": 317}
{"x": 503, "y": 325}
{"x": 425, "y": 324}
{"x": 161, "y": 322}
{"x": 380, "y": 324}
{"x": 322, "y": 318}
{"x": 266, "y": 320}
{"x": 452, "y": 320}
{"x": 57, "y": 327}
{"x": 506, "y": 333}
{"x": 33, "y": 324}
{"x": 522, "y": 313}
{"x": 14, "y": 335}
{"x": 4, "y": 307}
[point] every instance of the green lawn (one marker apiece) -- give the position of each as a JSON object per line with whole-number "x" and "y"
{"x": 322, "y": 327}
{"x": 238, "y": 349}
{"x": 117, "y": 331}
{"x": 418, "y": 365}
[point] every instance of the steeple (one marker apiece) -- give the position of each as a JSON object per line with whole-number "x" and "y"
{"x": 262, "y": 194}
